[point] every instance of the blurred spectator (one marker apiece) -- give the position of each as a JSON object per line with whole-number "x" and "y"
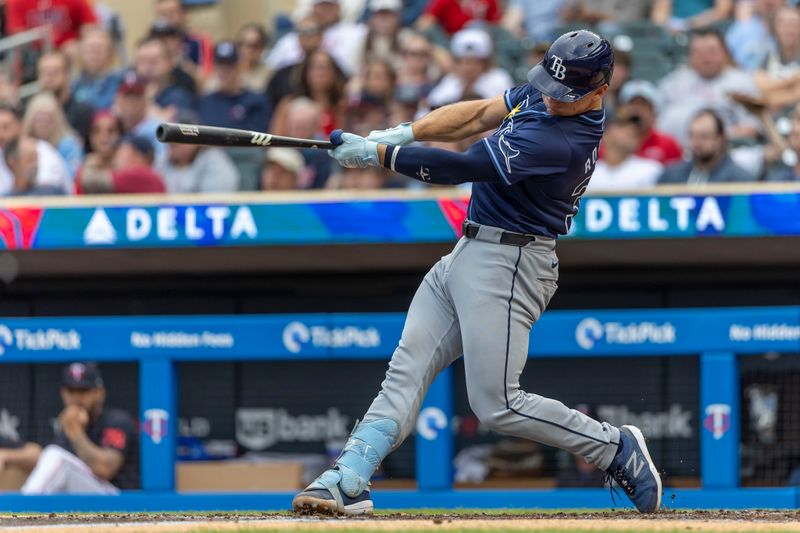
{"x": 454, "y": 15}
{"x": 418, "y": 69}
{"x": 44, "y": 120}
{"x": 172, "y": 38}
{"x": 378, "y": 83}
{"x": 282, "y": 170}
{"x": 682, "y": 15}
{"x": 286, "y": 79}
{"x": 50, "y": 169}
{"x": 342, "y": 40}
{"x": 53, "y": 75}
{"x": 252, "y": 43}
{"x": 193, "y": 168}
{"x": 232, "y": 106}
{"x": 104, "y": 136}
{"x": 22, "y": 157}
{"x": 537, "y": 20}
{"x": 306, "y": 123}
{"x": 131, "y": 107}
{"x": 351, "y": 10}
{"x": 473, "y": 71}
{"x": 779, "y": 78}
{"x": 361, "y": 179}
{"x": 706, "y": 82}
{"x": 787, "y": 168}
{"x": 749, "y": 39}
{"x": 384, "y": 28}
{"x": 10, "y": 128}
{"x": 608, "y": 14}
{"x": 155, "y": 68}
{"x": 133, "y": 167}
{"x": 67, "y": 17}
{"x": 322, "y": 81}
{"x": 622, "y": 73}
{"x": 639, "y": 100}
{"x": 620, "y": 168}
{"x": 197, "y": 48}
{"x": 94, "y": 447}
{"x": 710, "y": 161}
{"x": 97, "y": 81}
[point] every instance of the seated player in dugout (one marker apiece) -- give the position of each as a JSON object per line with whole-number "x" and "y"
{"x": 483, "y": 298}
{"x": 94, "y": 448}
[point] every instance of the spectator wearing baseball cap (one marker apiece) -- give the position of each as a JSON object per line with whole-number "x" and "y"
{"x": 232, "y": 106}
{"x": 282, "y": 170}
{"x": 621, "y": 168}
{"x": 133, "y": 167}
{"x": 473, "y": 72}
{"x": 132, "y": 106}
{"x": 94, "y": 449}
{"x": 454, "y": 15}
{"x": 639, "y": 100}
{"x": 384, "y": 30}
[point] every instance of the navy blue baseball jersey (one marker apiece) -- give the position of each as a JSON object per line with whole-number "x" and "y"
{"x": 544, "y": 163}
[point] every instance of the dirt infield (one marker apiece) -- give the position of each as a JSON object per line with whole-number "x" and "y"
{"x": 724, "y": 521}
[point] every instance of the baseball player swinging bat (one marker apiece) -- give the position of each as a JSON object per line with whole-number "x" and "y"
{"x": 214, "y": 136}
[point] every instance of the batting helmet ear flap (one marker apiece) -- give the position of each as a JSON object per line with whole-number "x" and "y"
{"x": 576, "y": 64}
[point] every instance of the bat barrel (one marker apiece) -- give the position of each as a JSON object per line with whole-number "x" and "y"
{"x": 214, "y": 136}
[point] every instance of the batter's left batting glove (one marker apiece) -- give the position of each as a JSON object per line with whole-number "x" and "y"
{"x": 356, "y": 152}
{"x": 401, "y": 135}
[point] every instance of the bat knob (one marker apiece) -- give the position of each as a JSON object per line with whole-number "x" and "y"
{"x": 336, "y": 137}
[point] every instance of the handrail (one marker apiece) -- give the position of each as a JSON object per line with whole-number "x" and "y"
{"x": 40, "y": 33}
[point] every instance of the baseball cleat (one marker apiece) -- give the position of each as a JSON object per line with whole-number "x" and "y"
{"x": 635, "y": 472}
{"x": 322, "y": 501}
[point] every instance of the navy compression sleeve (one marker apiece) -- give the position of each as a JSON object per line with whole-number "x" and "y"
{"x": 433, "y": 165}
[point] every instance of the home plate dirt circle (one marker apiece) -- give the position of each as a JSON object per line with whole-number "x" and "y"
{"x": 725, "y": 521}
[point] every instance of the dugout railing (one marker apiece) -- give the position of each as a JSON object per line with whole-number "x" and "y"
{"x": 718, "y": 337}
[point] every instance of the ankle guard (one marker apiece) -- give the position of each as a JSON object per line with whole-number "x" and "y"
{"x": 369, "y": 443}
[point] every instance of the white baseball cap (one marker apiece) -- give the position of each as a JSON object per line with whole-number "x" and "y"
{"x": 472, "y": 42}
{"x": 288, "y": 158}
{"x": 639, "y": 89}
{"x": 385, "y": 5}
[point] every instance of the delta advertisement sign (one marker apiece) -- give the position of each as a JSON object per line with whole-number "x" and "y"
{"x": 380, "y": 221}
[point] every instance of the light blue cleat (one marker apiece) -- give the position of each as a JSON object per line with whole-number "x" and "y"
{"x": 635, "y": 472}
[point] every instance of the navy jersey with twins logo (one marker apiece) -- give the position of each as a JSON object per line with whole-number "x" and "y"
{"x": 544, "y": 163}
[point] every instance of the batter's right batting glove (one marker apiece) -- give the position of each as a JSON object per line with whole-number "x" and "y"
{"x": 399, "y": 135}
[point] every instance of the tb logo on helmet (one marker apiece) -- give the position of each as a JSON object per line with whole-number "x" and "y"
{"x": 558, "y": 68}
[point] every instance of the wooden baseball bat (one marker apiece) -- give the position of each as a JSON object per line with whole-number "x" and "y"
{"x": 214, "y": 136}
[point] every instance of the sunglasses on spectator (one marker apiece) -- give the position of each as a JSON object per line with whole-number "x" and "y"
{"x": 250, "y": 44}
{"x": 309, "y": 30}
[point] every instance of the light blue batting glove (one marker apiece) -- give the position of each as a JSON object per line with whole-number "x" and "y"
{"x": 399, "y": 135}
{"x": 356, "y": 152}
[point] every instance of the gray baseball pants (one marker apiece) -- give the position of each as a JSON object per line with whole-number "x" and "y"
{"x": 481, "y": 300}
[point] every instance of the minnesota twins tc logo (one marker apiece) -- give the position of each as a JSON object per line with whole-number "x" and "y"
{"x": 558, "y": 68}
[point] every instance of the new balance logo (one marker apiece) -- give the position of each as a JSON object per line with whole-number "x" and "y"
{"x": 635, "y": 464}
{"x": 261, "y": 139}
{"x": 558, "y": 68}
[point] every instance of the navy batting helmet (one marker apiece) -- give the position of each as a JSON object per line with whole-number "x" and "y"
{"x": 576, "y": 64}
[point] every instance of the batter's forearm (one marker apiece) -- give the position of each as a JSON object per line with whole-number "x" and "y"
{"x": 458, "y": 121}
{"x": 441, "y": 167}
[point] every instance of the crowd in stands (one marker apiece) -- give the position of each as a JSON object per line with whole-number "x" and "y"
{"x": 703, "y": 91}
